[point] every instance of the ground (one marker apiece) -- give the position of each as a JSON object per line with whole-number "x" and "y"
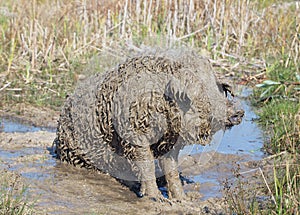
{"x": 62, "y": 189}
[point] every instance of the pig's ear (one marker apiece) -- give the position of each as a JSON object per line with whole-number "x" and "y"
{"x": 225, "y": 88}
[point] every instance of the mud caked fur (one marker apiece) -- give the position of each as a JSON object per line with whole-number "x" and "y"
{"x": 144, "y": 110}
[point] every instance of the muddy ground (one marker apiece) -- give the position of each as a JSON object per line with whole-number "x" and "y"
{"x": 59, "y": 188}
{"x": 62, "y": 189}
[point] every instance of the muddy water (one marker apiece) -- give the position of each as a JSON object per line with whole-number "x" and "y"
{"x": 62, "y": 189}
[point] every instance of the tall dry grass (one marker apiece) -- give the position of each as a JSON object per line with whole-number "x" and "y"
{"x": 36, "y": 34}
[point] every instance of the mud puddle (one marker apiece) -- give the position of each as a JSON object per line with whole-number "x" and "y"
{"x": 62, "y": 189}
{"x": 10, "y": 124}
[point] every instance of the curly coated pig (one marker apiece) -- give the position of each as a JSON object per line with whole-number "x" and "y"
{"x": 145, "y": 110}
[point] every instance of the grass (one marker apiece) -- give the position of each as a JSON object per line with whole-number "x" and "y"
{"x": 277, "y": 99}
{"x": 13, "y": 195}
{"x": 47, "y": 46}
{"x": 286, "y": 187}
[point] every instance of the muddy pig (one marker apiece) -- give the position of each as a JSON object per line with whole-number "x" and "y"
{"x": 140, "y": 114}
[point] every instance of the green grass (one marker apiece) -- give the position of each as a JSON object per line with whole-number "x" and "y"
{"x": 277, "y": 101}
{"x": 278, "y": 117}
{"x": 286, "y": 187}
{"x": 13, "y": 195}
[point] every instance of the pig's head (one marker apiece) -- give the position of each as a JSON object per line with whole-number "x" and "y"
{"x": 234, "y": 112}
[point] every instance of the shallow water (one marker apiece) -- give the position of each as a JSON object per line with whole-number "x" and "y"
{"x": 28, "y": 151}
{"x": 10, "y": 125}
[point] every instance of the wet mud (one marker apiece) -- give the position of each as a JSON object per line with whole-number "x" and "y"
{"x": 59, "y": 188}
